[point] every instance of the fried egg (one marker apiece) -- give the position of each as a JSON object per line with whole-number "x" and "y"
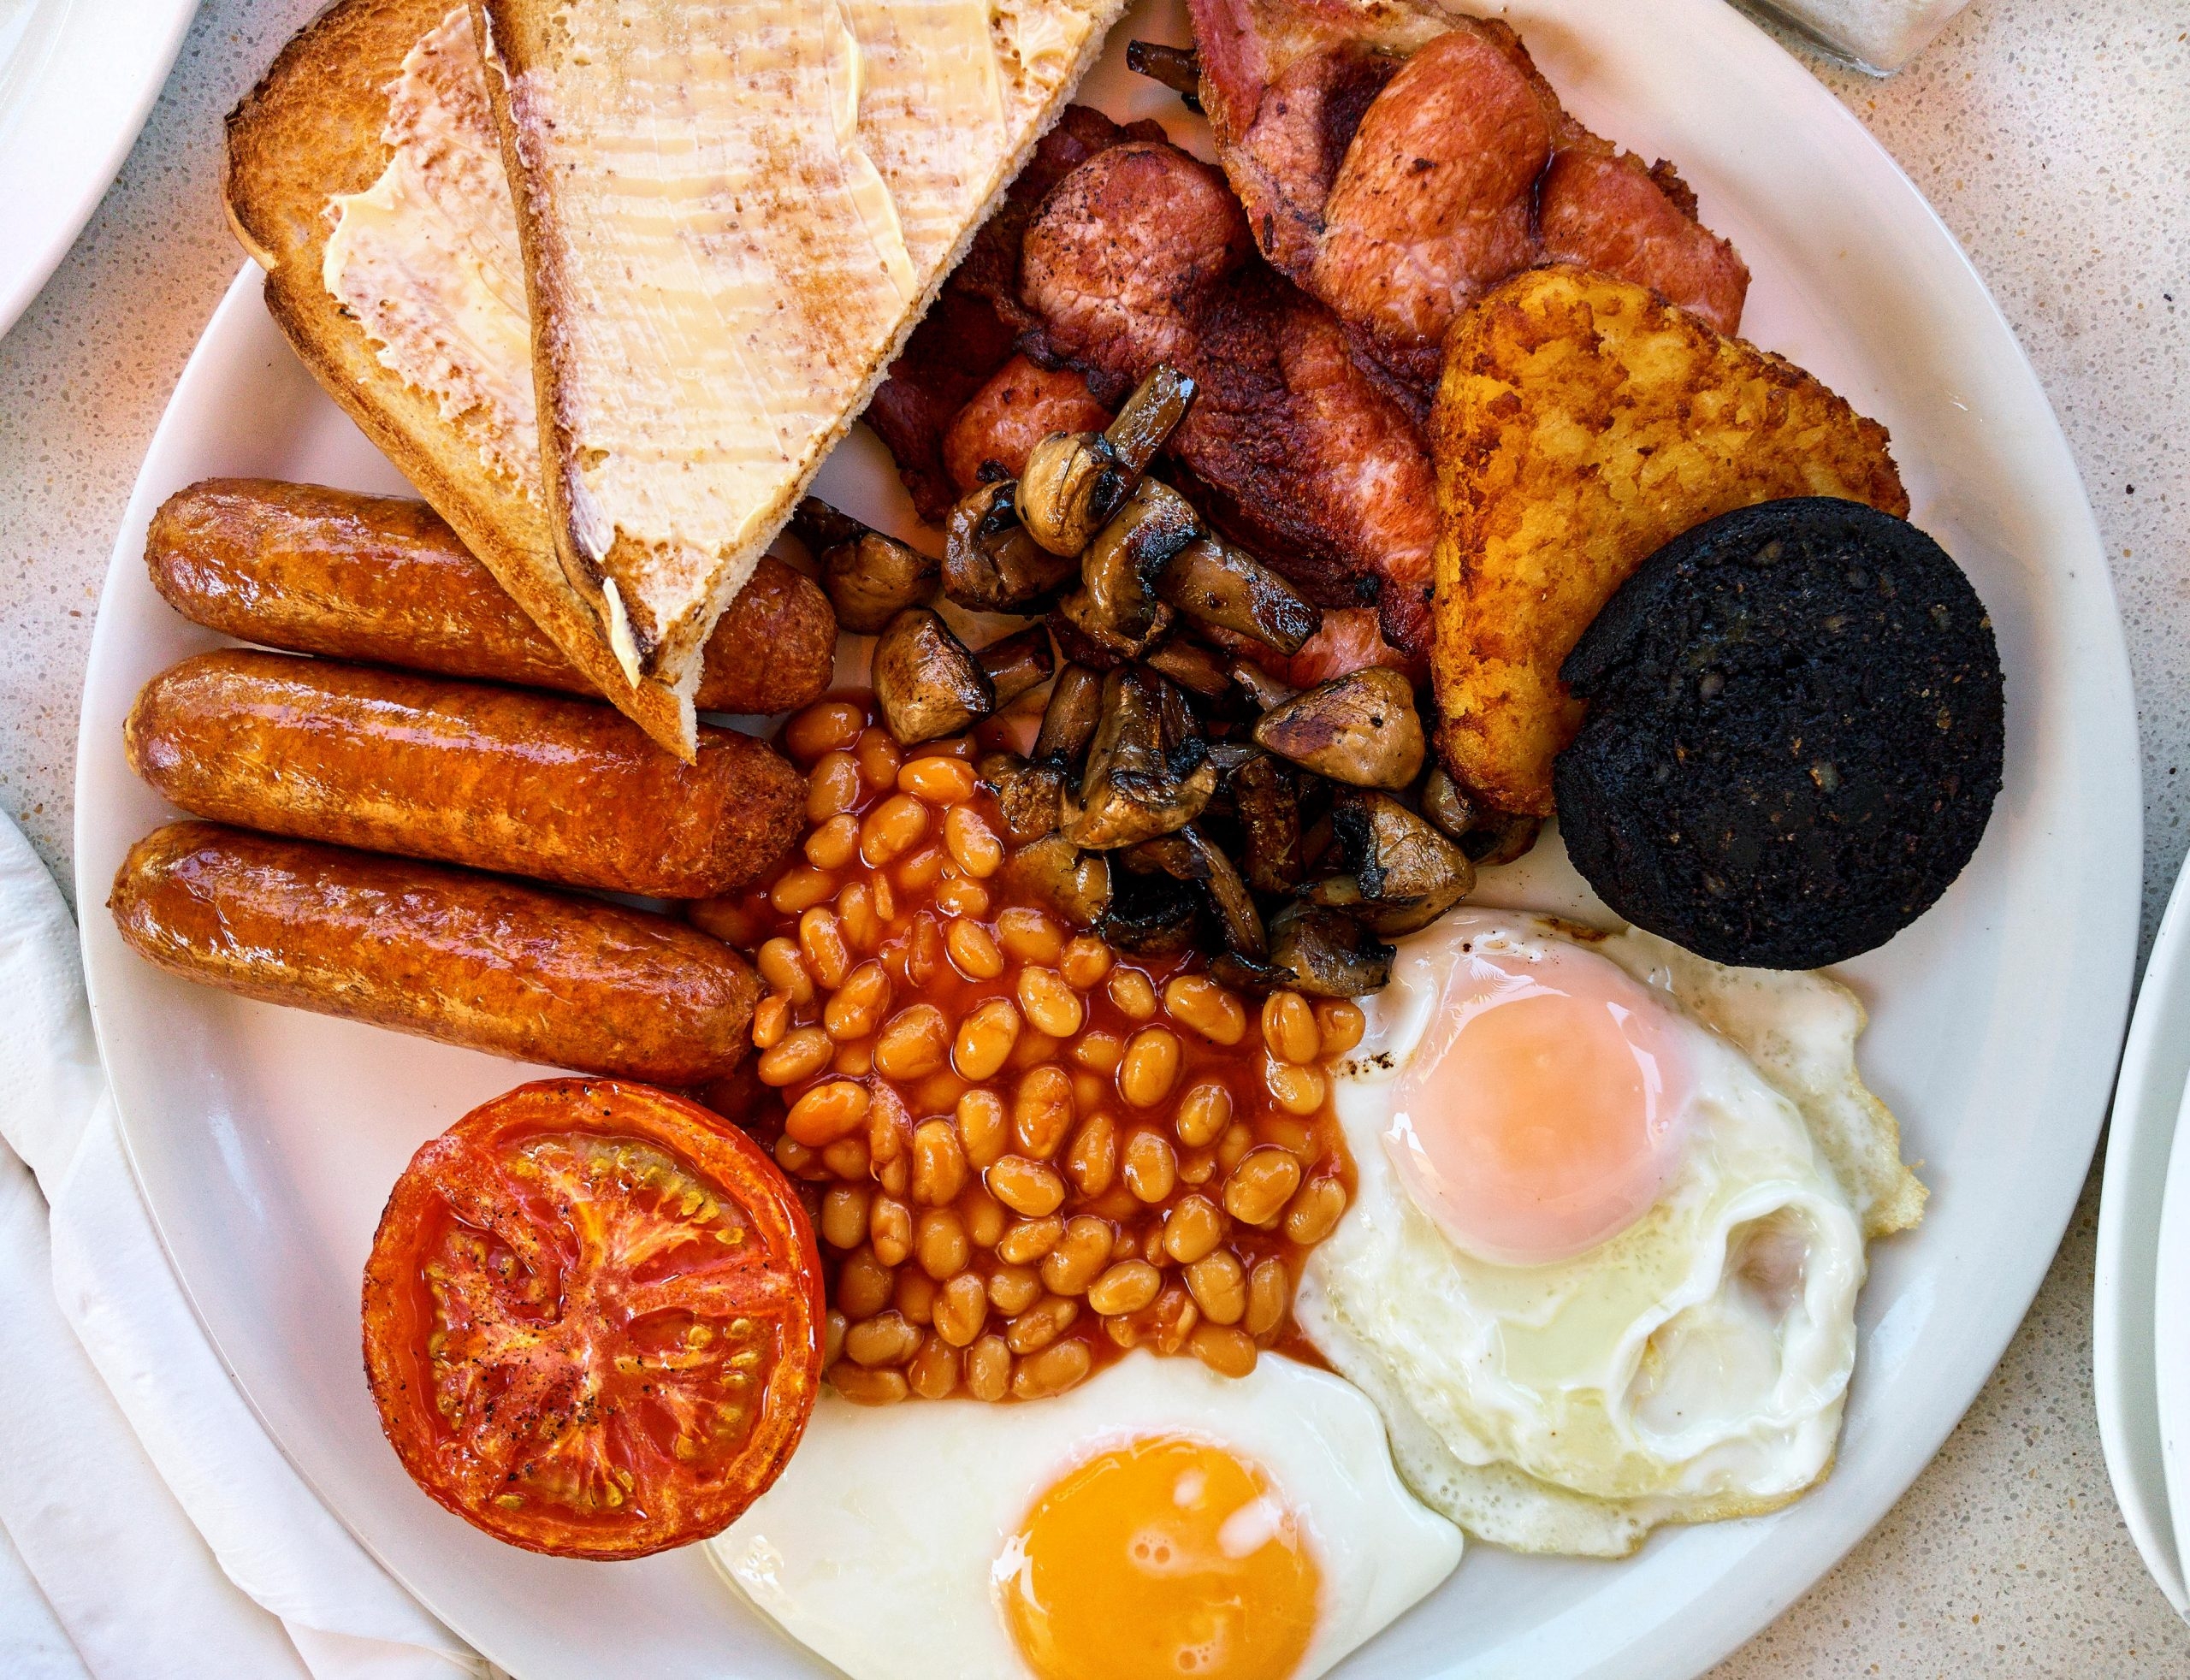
{"x": 1159, "y": 1521}
{"x": 1600, "y": 1268}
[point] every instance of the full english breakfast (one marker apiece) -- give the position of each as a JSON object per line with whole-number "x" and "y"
{"x": 1082, "y": 1005}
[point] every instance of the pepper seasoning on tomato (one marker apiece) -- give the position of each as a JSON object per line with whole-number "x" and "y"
{"x": 594, "y": 1319}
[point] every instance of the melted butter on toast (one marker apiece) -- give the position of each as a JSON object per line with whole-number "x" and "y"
{"x": 720, "y": 257}
{"x": 427, "y": 259}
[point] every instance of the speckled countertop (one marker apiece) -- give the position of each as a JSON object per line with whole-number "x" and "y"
{"x": 2054, "y": 140}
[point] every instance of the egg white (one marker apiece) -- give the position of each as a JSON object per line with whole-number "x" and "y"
{"x": 877, "y": 1547}
{"x": 1572, "y": 1406}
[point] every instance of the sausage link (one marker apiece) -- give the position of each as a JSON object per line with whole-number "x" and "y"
{"x": 565, "y": 789}
{"x": 514, "y": 970}
{"x": 774, "y": 648}
{"x": 321, "y": 570}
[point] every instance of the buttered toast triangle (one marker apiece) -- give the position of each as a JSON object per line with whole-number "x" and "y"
{"x": 1582, "y": 424}
{"x": 364, "y": 173}
{"x": 733, "y": 217}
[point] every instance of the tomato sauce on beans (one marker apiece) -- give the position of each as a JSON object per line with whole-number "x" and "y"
{"x": 1024, "y": 1152}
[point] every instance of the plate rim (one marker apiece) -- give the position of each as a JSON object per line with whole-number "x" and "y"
{"x": 1806, "y": 1558}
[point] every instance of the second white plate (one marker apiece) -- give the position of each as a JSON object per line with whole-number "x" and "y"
{"x": 75, "y": 83}
{"x": 2148, "y": 1098}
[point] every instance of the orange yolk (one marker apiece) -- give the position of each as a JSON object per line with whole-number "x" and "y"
{"x": 1166, "y": 1559}
{"x": 1540, "y": 1115}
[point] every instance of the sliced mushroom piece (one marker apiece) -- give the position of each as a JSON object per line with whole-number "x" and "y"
{"x": 1446, "y": 806}
{"x": 1069, "y": 719}
{"x": 1188, "y": 855}
{"x": 1197, "y": 669}
{"x": 1030, "y": 797}
{"x": 1178, "y": 68}
{"x": 990, "y": 563}
{"x": 1500, "y": 838}
{"x": 925, "y": 680}
{"x": 821, "y": 527}
{"x": 1402, "y": 874}
{"x": 1245, "y": 973}
{"x": 1326, "y": 954}
{"x": 1166, "y": 855}
{"x": 1489, "y": 838}
{"x": 1116, "y": 604}
{"x": 1080, "y": 648}
{"x": 1318, "y": 850}
{"x": 1266, "y": 795}
{"x": 1018, "y": 663}
{"x": 1058, "y": 875}
{"x": 1072, "y": 483}
{"x": 1228, "y": 755}
{"x": 1262, "y": 689}
{"x": 1213, "y": 582}
{"x": 1360, "y": 729}
{"x": 1148, "y": 771}
{"x": 868, "y": 578}
{"x": 1084, "y": 614}
{"x": 1152, "y": 914}
{"x": 1149, "y": 415}
{"x": 870, "y": 581}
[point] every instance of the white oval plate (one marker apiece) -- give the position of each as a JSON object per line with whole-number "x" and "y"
{"x": 266, "y": 1140}
{"x": 76, "y": 82}
{"x": 2125, "y": 1370}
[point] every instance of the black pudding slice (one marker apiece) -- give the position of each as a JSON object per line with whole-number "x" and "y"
{"x": 1794, "y": 735}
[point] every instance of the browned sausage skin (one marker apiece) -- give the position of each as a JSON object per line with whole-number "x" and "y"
{"x": 775, "y": 648}
{"x": 381, "y": 578}
{"x": 514, "y": 970}
{"x": 562, "y": 788}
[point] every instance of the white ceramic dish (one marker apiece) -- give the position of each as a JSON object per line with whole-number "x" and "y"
{"x": 2167, "y": 1363}
{"x": 2125, "y": 1381}
{"x": 266, "y": 1140}
{"x": 2166, "y": 1366}
{"x": 77, "y": 78}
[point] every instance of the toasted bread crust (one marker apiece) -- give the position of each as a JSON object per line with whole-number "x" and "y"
{"x": 519, "y": 36}
{"x": 311, "y": 130}
{"x": 1582, "y": 424}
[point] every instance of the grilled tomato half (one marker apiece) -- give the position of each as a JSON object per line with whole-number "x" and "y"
{"x": 594, "y": 1319}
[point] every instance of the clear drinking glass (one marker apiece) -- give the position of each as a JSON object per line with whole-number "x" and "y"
{"x": 1878, "y": 36}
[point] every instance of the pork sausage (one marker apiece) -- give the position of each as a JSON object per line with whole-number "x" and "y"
{"x": 381, "y": 578}
{"x": 527, "y": 783}
{"x": 468, "y": 959}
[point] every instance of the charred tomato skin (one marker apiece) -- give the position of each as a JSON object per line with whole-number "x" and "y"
{"x": 593, "y": 1319}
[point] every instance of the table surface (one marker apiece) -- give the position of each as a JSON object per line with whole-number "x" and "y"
{"x": 2054, "y": 141}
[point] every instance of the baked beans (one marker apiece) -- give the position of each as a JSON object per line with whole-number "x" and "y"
{"x": 1024, "y": 1151}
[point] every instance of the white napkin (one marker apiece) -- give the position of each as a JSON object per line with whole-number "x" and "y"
{"x": 164, "y": 1531}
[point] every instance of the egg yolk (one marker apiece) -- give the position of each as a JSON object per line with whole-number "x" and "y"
{"x": 1541, "y": 1115}
{"x": 1170, "y": 1557}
